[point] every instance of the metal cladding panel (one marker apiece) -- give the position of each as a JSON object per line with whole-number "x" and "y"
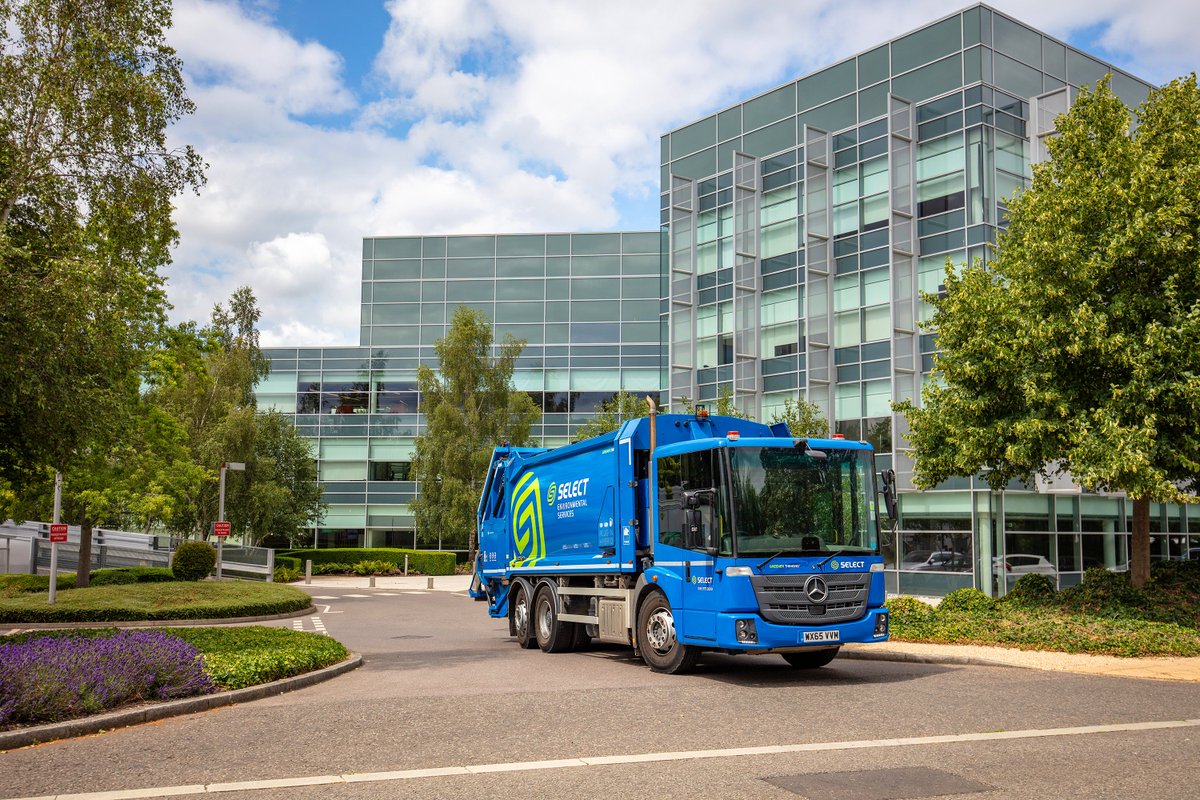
{"x": 572, "y": 507}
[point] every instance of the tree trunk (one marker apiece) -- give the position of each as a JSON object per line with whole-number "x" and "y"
{"x": 83, "y": 570}
{"x": 1139, "y": 555}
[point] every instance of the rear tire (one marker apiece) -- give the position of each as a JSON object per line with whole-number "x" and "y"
{"x": 656, "y": 639}
{"x": 553, "y": 636}
{"x": 523, "y": 618}
{"x": 811, "y": 659}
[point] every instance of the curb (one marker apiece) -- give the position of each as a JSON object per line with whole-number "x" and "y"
{"x": 40, "y": 734}
{"x": 154, "y": 623}
{"x": 915, "y": 658}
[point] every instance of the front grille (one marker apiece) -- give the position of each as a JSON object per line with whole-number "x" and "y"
{"x": 782, "y": 598}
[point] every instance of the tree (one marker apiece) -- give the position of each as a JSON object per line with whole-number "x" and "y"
{"x": 88, "y": 89}
{"x": 1075, "y": 349}
{"x": 802, "y": 418}
{"x": 470, "y": 407}
{"x": 283, "y": 497}
{"x": 614, "y": 412}
{"x": 724, "y": 408}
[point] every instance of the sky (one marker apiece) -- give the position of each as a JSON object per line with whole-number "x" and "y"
{"x": 326, "y": 121}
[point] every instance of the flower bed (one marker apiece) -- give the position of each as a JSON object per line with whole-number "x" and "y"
{"x": 47, "y": 679}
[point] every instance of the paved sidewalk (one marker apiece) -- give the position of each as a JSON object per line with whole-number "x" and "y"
{"x": 1166, "y": 668}
{"x": 441, "y": 583}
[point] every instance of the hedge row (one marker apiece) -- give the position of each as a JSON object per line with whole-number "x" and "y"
{"x": 18, "y": 584}
{"x": 163, "y": 601}
{"x": 425, "y": 562}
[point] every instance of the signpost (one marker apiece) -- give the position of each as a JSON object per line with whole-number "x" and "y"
{"x": 221, "y": 528}
{"x": 58, "y": 533}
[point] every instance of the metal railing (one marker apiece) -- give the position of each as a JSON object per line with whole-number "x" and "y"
{"x": 112, "y": 548}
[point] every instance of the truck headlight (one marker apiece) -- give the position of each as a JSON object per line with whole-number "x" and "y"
{"x": 746, "y": 631}
{"x": 881, "y": 623}
{"x": 733, "y": 572}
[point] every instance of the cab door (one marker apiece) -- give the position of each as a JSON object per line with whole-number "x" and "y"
{"x": 693, "y": 519}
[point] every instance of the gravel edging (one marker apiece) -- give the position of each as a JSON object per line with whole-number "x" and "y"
{"x": 920, "y": 658}
{"x": 39, "y": 734}
{"x": 153, "y": 623}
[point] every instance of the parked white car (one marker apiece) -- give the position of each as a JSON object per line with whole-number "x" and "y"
{"x": 1023, "y": 564}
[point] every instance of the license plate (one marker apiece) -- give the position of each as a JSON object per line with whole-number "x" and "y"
{"x": 821, "y": 636}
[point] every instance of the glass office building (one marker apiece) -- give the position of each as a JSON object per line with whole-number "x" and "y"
{"x": 797, "y": 230}
{"x": 586, "y": 304}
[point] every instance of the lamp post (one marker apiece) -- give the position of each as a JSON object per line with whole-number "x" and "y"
{"x": 237, "y": 466}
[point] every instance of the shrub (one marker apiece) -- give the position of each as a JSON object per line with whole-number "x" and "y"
{"x": 374, "y": 568}
{"x": 46, "y": 679}
{"x": 966, "y": 601}
{"x": 155, "y": 601}
{"x": 909, "y": 617}
{"x": 1032, "y": 589}
{"x": 330, "y": 568}
{"x": 286, "y": 575}
{"x": 1105, "y": 592}
{"x": 120, "y": 575}
{"x": 247, "y": 656}
{"x": 424, "y": 562}
{"x": 15, "y": 584}
{"x": 289, "y": 562}
{"x": 193, "y": 561}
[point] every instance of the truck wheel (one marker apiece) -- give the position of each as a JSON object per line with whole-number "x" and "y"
{"x": 660, "y": 648}
{"x": 523, "y": 618}
{"x": 552, "y": 636}
{"x": 811, "y": 659}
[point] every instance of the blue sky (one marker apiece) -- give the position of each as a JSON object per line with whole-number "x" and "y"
{"x": 323, "y": 122}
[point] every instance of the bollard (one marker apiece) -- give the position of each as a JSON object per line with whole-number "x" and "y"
{"x": 371, "y": 583}
{"x": 429, "y": 582}
{"x": 308, "y": 570}
{"x": 406, "y": 565}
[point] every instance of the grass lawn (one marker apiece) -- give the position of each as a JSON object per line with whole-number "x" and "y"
{"x": 154, "y": 601}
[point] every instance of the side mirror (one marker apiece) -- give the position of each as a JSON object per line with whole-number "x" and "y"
{"x": 888, "y": 488}
{"x": 693, "y": 528}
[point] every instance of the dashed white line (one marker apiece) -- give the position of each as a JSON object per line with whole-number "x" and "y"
{"x": 600, "y": 761}
{"x": 414, "y": 592}
{"x": 324, "y": 597}
{"x": 356, "y": 595}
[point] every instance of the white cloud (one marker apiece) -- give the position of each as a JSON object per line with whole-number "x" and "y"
{"x": 500, "y": 116}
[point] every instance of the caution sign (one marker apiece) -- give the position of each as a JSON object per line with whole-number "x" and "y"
{"x": 58, "y": 532}
{"x": 222, "y": 528}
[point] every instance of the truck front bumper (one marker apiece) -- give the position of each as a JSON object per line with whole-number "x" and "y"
{"x": 749, "y": 632}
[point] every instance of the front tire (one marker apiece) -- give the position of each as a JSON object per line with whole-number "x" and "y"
{"x": 523, "y": 618}
{"x": 553, "y": 636}
{"x": 811, "y": 659}
{"x": 657, "y": 641}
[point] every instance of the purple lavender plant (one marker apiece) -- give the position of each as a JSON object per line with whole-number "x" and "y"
{"x": 46, "y": 679}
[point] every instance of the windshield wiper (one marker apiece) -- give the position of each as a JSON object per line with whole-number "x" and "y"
{"x": 821, "y": 564}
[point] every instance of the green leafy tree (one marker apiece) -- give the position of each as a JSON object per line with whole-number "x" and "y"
{"x": 725, "y": 406}
{"x": 470, "y": 407}
{"x": 613, "y": 413}
{"x": 1075, "y": 349}
{"x": 282, "y": 496}
{"x": 88, "y": 89}
{"x": 802, "y": 418}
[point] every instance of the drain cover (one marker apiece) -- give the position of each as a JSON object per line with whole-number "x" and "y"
{"x": 901, "y": 783}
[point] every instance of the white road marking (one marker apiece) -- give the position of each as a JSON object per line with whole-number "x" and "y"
{"x": 319, "y": 626}
{"x": 599, "y": 761}
{"x": 324, "y": 597}
{"x": 356, "y": 595}
{"x": 414, "y": 592}
{"x": 385, "y": 594}
{"x": 297, "y": 624}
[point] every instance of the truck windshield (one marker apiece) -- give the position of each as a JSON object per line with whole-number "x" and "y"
{"x": 786, "y": 501}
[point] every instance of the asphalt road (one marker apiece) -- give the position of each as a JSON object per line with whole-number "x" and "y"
{"x": 443, "y": 688}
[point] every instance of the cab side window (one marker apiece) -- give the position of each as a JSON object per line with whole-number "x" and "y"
{"x": 690, "y": 497}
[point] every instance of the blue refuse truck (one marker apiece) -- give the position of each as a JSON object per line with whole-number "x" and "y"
{"x": 680, "y": 534}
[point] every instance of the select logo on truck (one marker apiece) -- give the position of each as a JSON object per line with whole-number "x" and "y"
{"x": 529, "y": 537}
{"x": 568, "y": 496}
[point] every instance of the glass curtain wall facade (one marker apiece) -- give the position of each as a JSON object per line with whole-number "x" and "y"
{"x": 586, "y": 303}
{"x": 802, "y": 225}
